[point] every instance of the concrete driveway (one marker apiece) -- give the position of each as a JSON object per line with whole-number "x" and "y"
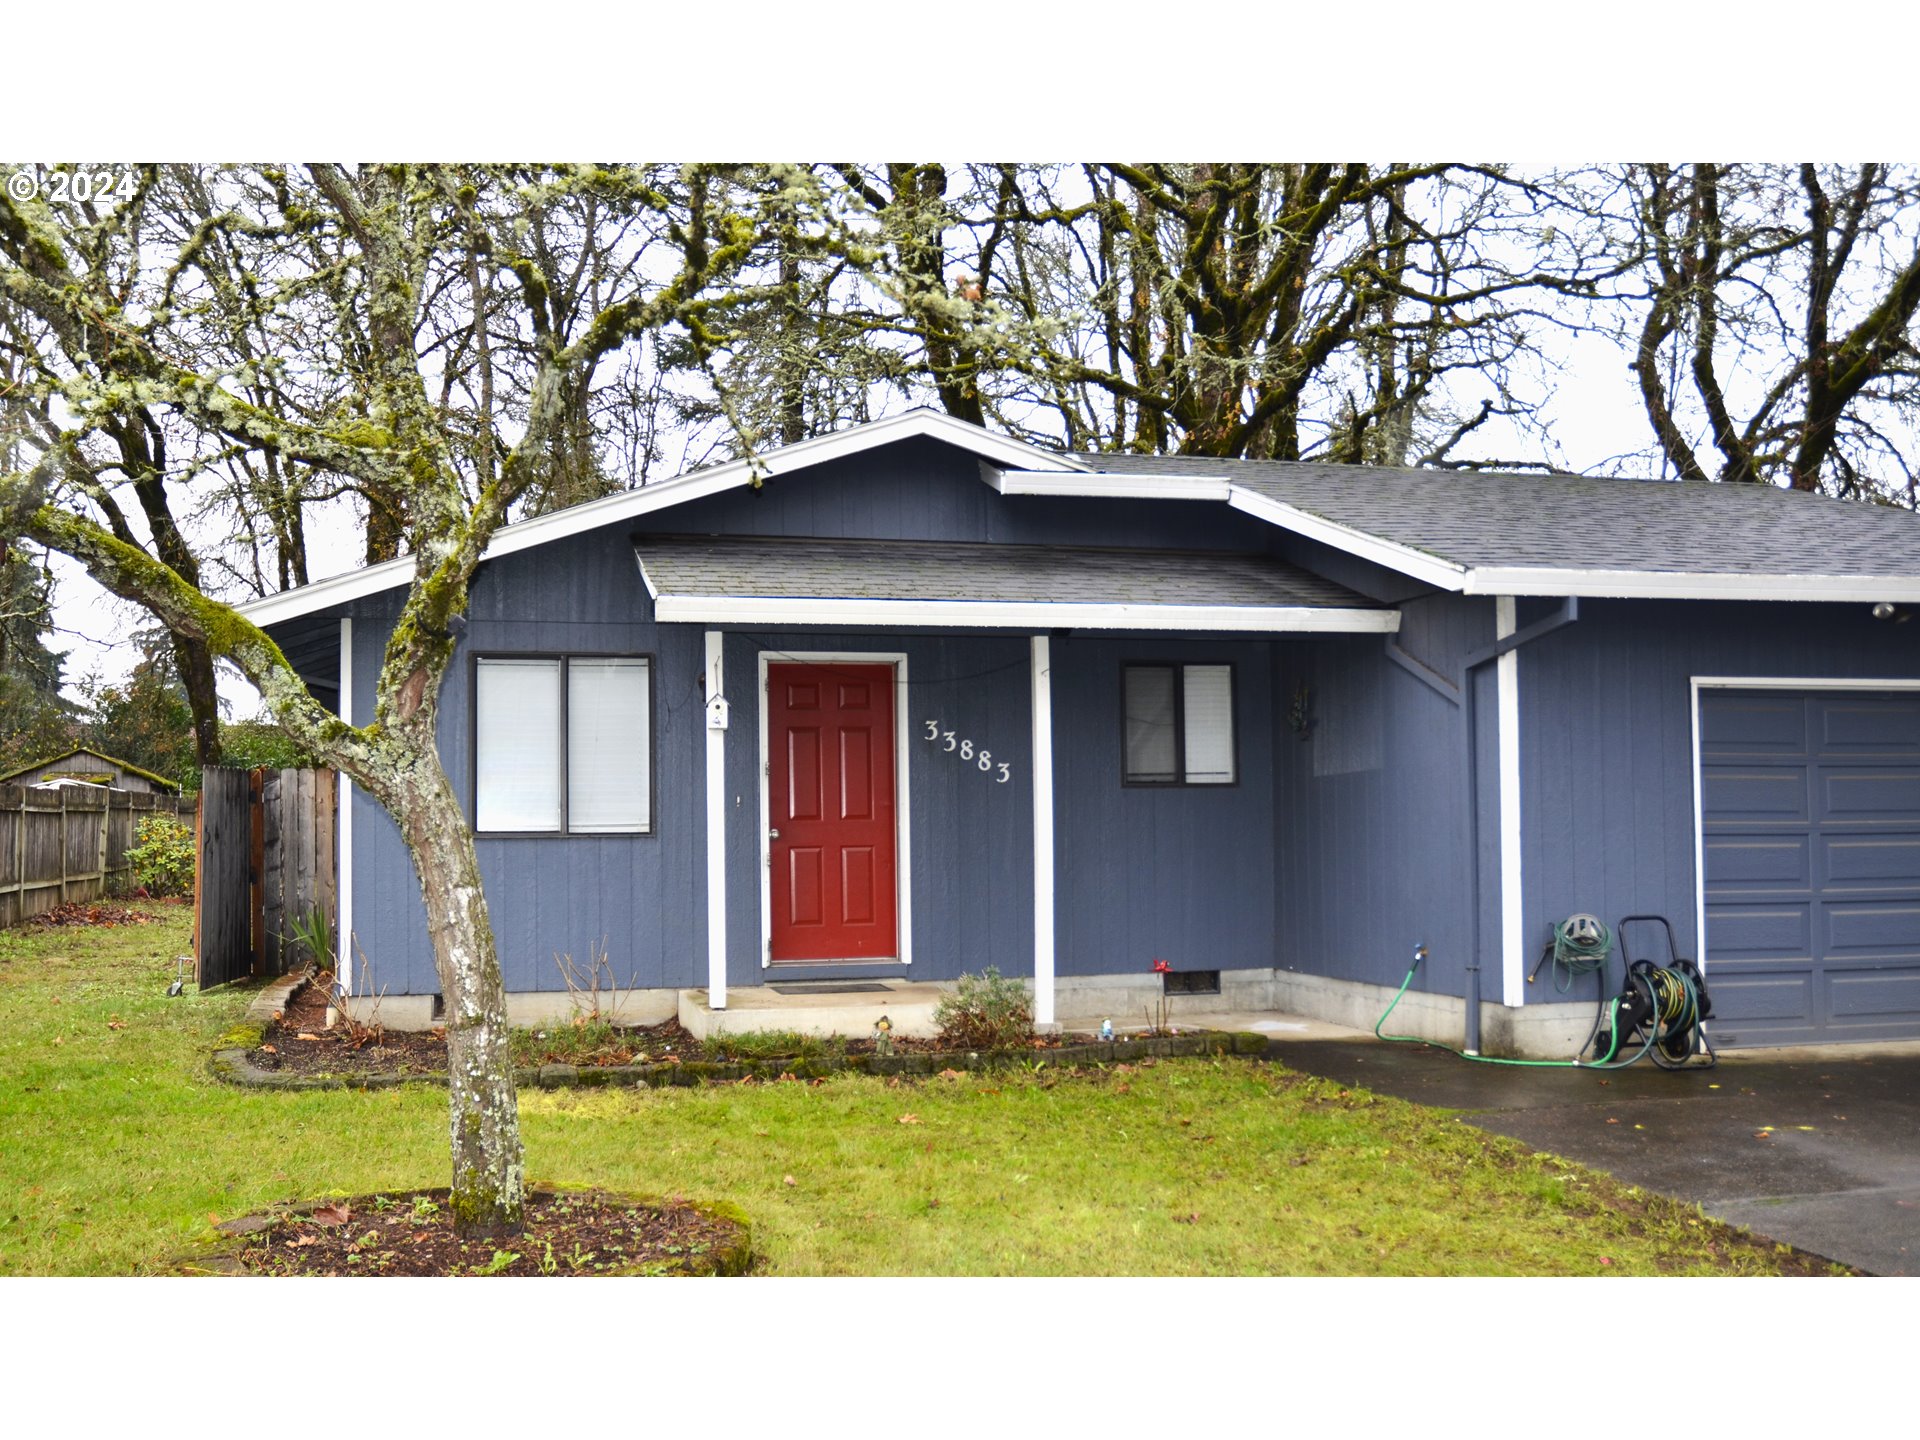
{"x": 1818, "y": 1148}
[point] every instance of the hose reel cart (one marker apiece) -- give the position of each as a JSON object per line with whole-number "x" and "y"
{"x": 1659, "y": 1011}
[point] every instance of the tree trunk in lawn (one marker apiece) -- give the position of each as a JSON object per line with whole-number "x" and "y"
{"x": 484, "y": 1111}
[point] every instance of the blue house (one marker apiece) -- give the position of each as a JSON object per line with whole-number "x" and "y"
{"x": 914, "y": 700}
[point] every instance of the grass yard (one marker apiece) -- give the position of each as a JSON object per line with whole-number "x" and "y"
{"x": 118, "y": 1150}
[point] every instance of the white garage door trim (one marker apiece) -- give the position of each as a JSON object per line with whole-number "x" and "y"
{"x": 1697, "y": 683}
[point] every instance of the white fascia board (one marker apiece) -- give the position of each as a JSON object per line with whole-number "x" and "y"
{"x": 1117, "y": 487}
{"x": 1430, "y": 569}
{"x": 1689, "y": 585}
{"x": 324, "y": 594}
{"x": 1021, "y": 614}
{"x": 653, "y": 591}
{"x": 663, "y": 494}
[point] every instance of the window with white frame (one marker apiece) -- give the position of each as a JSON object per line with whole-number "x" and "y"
{"x": 563, "y": 745}
{"x": 1179, "y": 724}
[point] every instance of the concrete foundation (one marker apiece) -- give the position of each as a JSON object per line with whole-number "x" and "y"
{"x": 1528, "y": 1032}
{"x": 1537, "y": 1032}
{"x": 525, "y": 1008}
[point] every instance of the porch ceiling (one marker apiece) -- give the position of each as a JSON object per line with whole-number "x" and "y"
{"x": 887, "y": 582}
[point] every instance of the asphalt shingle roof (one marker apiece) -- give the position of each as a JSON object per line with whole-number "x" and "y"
{"x": 920, "y": 570}
{"x": 1483, "y": 520}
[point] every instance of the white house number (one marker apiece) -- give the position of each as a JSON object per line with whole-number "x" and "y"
{"x": 979, "y": 759}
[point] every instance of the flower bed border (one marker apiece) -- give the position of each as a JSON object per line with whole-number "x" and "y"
{"x": 233, "y": 1061}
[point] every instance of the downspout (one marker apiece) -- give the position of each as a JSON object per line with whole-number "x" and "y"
{"x": 1568, "y": 612}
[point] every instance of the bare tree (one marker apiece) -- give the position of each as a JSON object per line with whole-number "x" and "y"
{"x": 399, "y": 332}
{"x": 1773, "y": 333}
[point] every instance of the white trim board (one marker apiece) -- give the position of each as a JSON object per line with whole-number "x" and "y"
{"x": 830, "y": 611}
{"x": 1688, "y": 585}
{"x": 902, "y": 809}
{"x": 630, "y": 504}
{"x": 1109, "y": 486}
{"x": 716, "y": 785}
{"x": 1697, "y": 683}
{"x": 1513, "y": 960}
{"x": 343, "y": 828}
{"x": 1040, "y": 660}
{"x": 1442, "y": 574}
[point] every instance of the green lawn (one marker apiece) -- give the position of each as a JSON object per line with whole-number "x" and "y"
{"x": 119, "y": 1148}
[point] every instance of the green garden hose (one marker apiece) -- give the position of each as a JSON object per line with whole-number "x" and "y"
{"x": 1676, "y": 1007}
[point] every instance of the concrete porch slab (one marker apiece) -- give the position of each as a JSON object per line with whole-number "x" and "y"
{"x": 909, "y": 1005}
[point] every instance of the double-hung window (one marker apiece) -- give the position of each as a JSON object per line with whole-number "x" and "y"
{"x": 1179, "y": 724}
{"x": 563, "y": 745}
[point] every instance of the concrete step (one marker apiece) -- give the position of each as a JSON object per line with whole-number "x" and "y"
{"x": 908, "y": 1005}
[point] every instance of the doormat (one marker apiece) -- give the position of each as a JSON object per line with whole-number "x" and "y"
{"x": 850, "y": 987}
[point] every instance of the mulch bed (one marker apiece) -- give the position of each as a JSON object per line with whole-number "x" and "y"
{"x": 301, "y": 1043}
{"x": 568, "y": 1233}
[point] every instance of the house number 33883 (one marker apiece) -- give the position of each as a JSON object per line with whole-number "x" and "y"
{"x": 979, "y": 759}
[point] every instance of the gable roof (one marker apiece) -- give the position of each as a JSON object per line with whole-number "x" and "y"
{"x": 115, "y": 760}
{"x": 661, "y": 494}
{"x": 1474, "y": 533}
{"x": 756, "y": 580}
{"x": 1508, "y": 534}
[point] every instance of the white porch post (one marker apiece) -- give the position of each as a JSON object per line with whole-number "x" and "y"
{"x": 1513, "y": 958}
{"x": 343, "y": 830}
{"x": 1042, "y": 831}
{"x": 716, "y": 836}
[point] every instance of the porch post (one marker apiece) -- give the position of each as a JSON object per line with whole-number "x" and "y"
{"x": 343, "y": 831}
{"x": 1042, "y": 831}
{"x": 716, "y": 836}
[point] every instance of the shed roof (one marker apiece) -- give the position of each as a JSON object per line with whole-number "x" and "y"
{"x": 778, "y": 581}
{"x": 130, "y": 768}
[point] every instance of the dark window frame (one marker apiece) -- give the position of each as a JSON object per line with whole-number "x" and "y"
{"x": 652, "y": 822}
{"x": 1180, "y": 781}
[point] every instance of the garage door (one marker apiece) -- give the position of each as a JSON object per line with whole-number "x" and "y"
{"x": 1810, "y": 815}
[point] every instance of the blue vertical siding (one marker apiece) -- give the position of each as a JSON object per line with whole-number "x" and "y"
{"x": 1370, "y": 858}
{"x": 923, "y": 490}
{"x": 1183, "y": 873}
{"x": 1606, "y": 753}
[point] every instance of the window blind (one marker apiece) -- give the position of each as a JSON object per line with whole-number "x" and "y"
{"x": 517, "y": 749}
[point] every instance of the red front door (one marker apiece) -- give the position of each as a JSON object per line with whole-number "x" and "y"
{"x": 830, "y": 800}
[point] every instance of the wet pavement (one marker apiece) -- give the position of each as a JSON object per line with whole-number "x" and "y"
{"x": 1819, "y": 1149}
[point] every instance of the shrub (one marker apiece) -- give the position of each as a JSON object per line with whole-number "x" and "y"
{"x": 985, "y": 1012}
{"x": 162, "y": 855}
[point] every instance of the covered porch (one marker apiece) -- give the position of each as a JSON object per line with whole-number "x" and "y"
{"x": 1058, "y": 761}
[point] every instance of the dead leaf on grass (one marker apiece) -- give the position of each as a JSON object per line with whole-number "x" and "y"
{"x": 334, "y": 1212}
{"x": 949, "y": 1074}
{"x": 909, "y": 1119}
{"x": 1122, "y": 1088}
{"x": 789, "y": 1180}
{"x": 116, "y": 1023}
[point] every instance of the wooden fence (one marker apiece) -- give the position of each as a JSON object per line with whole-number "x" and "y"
{"x": 266, "y": 866}
{"x": 68, "y": 844}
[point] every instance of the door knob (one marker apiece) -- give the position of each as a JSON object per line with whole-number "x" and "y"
{"x": 773, "y": 834}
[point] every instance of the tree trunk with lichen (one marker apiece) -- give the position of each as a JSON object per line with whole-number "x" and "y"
{"x": 483, "y": 1108}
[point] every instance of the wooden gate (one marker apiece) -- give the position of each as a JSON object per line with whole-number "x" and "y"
{"x": 266, "y": 870}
